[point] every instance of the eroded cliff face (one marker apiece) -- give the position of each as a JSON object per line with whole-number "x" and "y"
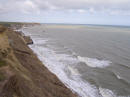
{"x": 21, "y": 72}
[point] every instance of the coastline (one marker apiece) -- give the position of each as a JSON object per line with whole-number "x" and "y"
{"x": 27, "y": 76}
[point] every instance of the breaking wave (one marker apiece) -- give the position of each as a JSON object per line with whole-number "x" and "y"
{"x": 92, "y": 62}
{"x": 64, "y": 66}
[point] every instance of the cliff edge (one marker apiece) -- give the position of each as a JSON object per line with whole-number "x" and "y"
{"x": 21, "y": 72}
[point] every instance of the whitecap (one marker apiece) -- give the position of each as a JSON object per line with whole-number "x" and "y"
{"x": 106, "y": 92}
{"x": 53, "y": 62}
{"x": 58, "y": 63}
{"x": 93, "y": 62}
{"x": 73, "y": 71}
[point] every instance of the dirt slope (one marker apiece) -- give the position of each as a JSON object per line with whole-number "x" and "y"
{"x": 21, "y": 72}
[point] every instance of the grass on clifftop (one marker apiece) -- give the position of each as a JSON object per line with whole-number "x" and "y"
{"x": 7, "y": 24}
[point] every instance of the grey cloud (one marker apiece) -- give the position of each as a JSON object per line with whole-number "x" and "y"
{"x": 37, "y": 6}
{"x": 85, "y": 4}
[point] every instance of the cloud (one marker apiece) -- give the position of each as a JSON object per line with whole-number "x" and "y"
{"x": 85, "y": 11}
{"x": 29, "y": 6}
{"x": 19, "y": 6}
{"x": 81, "y": 10}
{"x": 37, "y": 6}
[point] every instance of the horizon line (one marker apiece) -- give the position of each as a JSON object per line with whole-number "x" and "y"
{"x": 68, "y": 23}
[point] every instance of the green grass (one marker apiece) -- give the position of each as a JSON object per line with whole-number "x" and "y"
{"x": 7, "y": 24}
{"x": 2, "y": 63}
{"x": 2, "y": 77}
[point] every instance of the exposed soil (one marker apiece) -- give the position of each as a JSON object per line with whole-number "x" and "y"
{"x": 23, "y": 73}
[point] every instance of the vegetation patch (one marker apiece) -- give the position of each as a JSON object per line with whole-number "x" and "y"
{"x": 8, "y": 24}
{"x": 2, "y": 77}
{"x": 2, "y": 63}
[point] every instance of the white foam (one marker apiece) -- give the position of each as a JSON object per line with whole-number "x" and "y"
{"x": 118, "y": 77}
{"x": 73, "y": 81}
{"x": 106, "y": 92}
{"x": 74, "y": 71}
{"x": 59, "y": 64}
{"x": 39, "y": 41}
{"x": 18, "y": 30}
{"x": 92, "y": 62}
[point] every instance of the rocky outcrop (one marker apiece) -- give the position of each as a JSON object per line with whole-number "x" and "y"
{"x": 28, "y": 40}
{"x": 22, "y": 74}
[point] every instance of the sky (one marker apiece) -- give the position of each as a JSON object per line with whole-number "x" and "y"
{"x": 108, "y": 12}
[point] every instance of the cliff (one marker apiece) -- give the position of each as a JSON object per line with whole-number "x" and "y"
{"x": 21, "y": 72}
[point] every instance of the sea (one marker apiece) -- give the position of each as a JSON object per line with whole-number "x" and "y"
{"x": 91, "y": 60}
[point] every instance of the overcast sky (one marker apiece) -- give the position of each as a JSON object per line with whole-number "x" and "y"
{"x": 111, "y": 12}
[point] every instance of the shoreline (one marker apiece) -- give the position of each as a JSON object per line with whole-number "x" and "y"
{"x": 30, "y": 42}
{"x": 31, "y": 76}
{"x": 71, "y": 78}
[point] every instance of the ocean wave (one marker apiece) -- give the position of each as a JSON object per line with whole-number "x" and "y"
{"x": 73, "y": 71}
{"x": 56, "y": 64}
{"x": 108, "y": 93}
{"x": 63, "y": 65}
{"x": 123, "y": 80}
{"x": 92, "y": 62}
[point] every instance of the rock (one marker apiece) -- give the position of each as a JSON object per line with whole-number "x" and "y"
{"x": 21, "y": 33}
{"x": 28, "y": 40}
